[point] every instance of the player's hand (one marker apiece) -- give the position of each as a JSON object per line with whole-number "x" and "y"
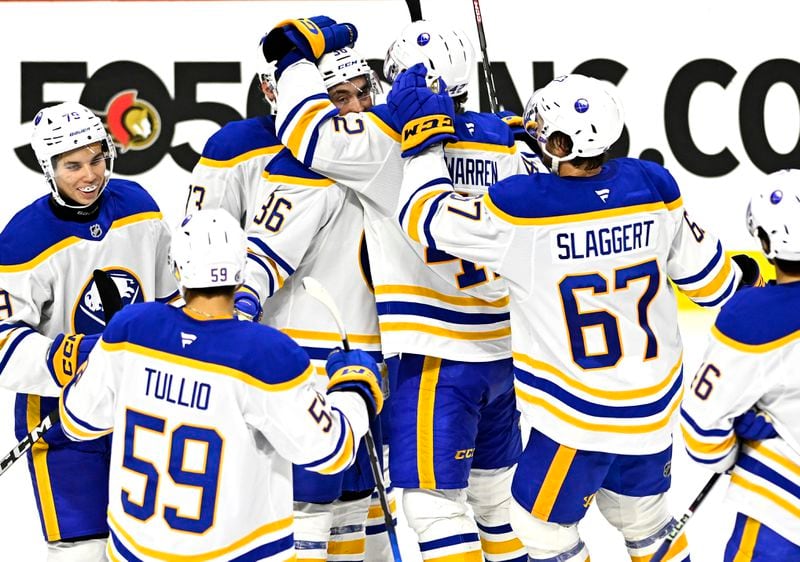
{"x": 421, "y": 105}
{"x": 754, "y": 426}
{"x": 751, "y": 273}
{"x": 67, "y": 353}
{"x": 356, "y": 371}
{"x": 246, "y": 306}
{"x": 306, "y": 38}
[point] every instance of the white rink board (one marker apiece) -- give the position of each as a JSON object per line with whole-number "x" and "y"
{"x": 653, "y": 42}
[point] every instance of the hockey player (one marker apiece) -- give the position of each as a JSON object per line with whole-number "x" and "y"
{"x": 228, "y": 173}
{"x": 447, "y": 317}
{"x": 51, "y": 314}
{"x": 743, "y": 409}
{"x": 587, "y": 252}
{"x": 209, "y": 412}
{"x": 308, "y": 225}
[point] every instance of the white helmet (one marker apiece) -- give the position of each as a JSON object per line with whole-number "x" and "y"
{"x": 585, "y": 109}
{"x": 65, "y": 127}
{"x": 775, "y": 210}
{"x": 446, "y": 52}
{"x": 208, "y": 249}
{"x": 345, "y": 64}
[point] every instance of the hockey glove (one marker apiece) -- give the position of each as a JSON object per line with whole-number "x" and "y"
{"x": 754, "y": 426}
{"x": 515, "y": 123}
{"x": 356, "y": 371}
{"x": 421, "y": 105}
{"x": 751, "y": 274}
{"x": 67, "y": 353}
{"x": 305, "y": 38}
{"x": 246, "y": 306}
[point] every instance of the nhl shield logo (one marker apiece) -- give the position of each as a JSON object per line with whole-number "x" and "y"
{"x": 96, "y": 231}
{"x": 88, "y": 315}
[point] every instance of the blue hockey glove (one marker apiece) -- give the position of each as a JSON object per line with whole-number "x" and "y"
{"x": 246, "y": 306}
{"x": 514, "y": 122}
{"x": 67, "y": 353}
{"x": 356, "y": 371}
{"x": 751, "y": 273}
{"x": 305, "y": 38}
{"x": 754, "y": 426}
{"x": 426, "y": 116}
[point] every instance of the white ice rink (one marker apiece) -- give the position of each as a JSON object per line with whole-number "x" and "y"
{"x": 20, "y": 536}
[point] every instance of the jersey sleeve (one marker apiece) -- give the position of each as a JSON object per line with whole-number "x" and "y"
{"x": 432, "y": 214}
{"x": 23, "y": 350}
{"x": 319, "y": 432}
{"x": 727, "y": 384}
{"x": 86, "y": 406}
{"x": 697, "y": 262}
{"x": 293, "y": 212}
{"x": 351, "y": 149}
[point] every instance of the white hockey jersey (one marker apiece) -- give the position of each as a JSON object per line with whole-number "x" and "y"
{"x": 752, "y": 359}
{"x": 309, "y": 226}
{"x": 597, "y": 351}
{"x": 228, "y": 172}
{"x": 207, "y": 417}
{"x": 46, "y": 285}
{"x": 429, "y": 303}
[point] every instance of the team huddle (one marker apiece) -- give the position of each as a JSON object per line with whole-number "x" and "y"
{"x": 491, "y": 272}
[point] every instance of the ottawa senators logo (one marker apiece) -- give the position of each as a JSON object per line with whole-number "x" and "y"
{"x": 133, "y": 122}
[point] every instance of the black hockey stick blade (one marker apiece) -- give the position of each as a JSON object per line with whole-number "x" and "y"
{"x": 109, "y": 295}
{"x": 22, "y": 447}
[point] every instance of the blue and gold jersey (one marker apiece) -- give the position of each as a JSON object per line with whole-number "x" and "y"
{"x": 46, "y": 285}
{"x": 207, "y": 416}
{"x": 228, "y": 174}
{"x": 429, "y": 302}
{"x": 752, "y": 361}
{"x": 597, "y": 351}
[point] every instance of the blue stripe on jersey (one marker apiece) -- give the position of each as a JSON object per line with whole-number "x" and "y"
{"x": 449, "y": 541}
{"x": 260, "y": 351}
{"x": 8, "y": 353}
{"x": 12, "y": 326}
{"x": 630, "y": 182}
{"x": 760, "y": 315}
{"x": 321, "y": 353}
{"x": 122, "y": 549}
{"x": 291, "y": 115}
{"x": 268, "y": 270}
{"x": 285, "y": 164}
{"x": 268, "y": 251}
{"x": 77, "y": 420}
{"x": 426, "y": 225}
{"x": 120, "y": 199}
{"x": 710, "y": 460}
{"x": 499, "y": 529}
{"x": 486, "y": 128}
{"x": 446, "y": 315}
{"x": 703, "y": 272}
{"x": 437, "y": 181}
{"x": 266, "y": 550}
{"x": 600, "y": 410}
{"x": 345, "y": 425}
{"x": 239, "y": 137}
{"x": 722, "y": 296}
{"x": 758, "y": 468}
{"x": 312, "y": 142}
{"x": 700, "y": 430}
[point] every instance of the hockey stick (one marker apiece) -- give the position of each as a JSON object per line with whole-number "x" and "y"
{"x": 414, "y": 9}
{"x": 315, "y": 289}
{"x": 679, "y": 526}
{"x": 112, "y": 302}
{"x": 487, "y": 69}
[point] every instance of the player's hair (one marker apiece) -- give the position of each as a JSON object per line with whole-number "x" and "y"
{"x": 208, "y": 292}
{"x": 563, "y": 141}
{"x": 790, "y": 267}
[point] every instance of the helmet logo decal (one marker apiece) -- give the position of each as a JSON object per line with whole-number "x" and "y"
{"x": 581, "y": 105}
{"x": 37, "y": 118}
{"x": 133, "y": 122}
{"x": 423, "y": 39}
{"x": 776, "y": 197}
{"x": 88, "y": 316}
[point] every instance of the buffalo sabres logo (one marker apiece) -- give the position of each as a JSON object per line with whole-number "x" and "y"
{"x": 88, "y": 316}
{"x": 133, "y": 122}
